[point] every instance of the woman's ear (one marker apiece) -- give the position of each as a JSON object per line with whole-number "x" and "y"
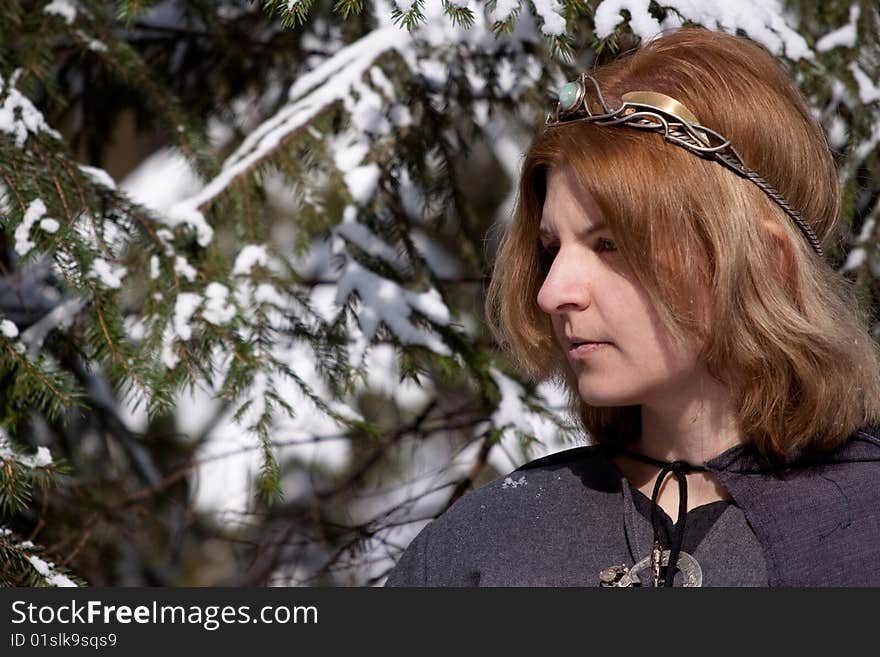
{"x": 783, "y": 248}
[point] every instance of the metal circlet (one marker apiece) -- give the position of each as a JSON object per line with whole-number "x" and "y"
{"x": 649, "y": 110}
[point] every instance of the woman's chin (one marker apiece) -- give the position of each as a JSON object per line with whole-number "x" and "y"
{"x": 598, "y": 397}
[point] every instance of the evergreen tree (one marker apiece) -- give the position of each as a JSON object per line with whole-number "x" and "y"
{"x": 290, "y": 282}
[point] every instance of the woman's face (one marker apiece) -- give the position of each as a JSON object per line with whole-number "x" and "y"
{"x": 590, "y": 294}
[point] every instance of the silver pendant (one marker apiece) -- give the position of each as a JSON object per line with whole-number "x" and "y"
{"x": 621, "y": 576}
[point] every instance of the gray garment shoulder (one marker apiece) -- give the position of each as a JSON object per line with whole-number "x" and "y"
{"x": 534, "y": 527}
{"x": 559, "y": 521}
{"x": 819, "y": 521}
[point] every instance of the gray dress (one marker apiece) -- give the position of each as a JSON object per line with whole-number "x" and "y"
{"x": 560, "y": 521}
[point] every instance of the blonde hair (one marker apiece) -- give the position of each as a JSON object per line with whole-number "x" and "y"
{"x": 792, "y": 345}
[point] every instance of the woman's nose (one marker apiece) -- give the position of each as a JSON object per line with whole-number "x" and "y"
{"x": 564, "y": 288}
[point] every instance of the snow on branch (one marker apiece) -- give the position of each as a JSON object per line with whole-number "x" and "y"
{"x": 514, "y": 416}
{"x": 766, "y": 21}
{"x": 383, "y": 301}
{"x": 550, "y": 13}
{"x": 869, "y": 90}
{"x": 843, "y": 36}
{"x": 329, "y": 82}
{"x": 60, "y": 317}
{"x": 41, "y": 459}
{"x": 18, "y": 115}
{"x": 46, "y": 569}
{"x": 50, "y": 575}
{"x": 36, "y": 212}
{"x": 66, "y": 9}
{"x": 99, "y": 176}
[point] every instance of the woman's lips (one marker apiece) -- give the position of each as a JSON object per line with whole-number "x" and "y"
{"x": 587, "y": 349}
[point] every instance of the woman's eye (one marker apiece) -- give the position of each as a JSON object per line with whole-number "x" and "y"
{"x": 604, "y": 244}
{"x": 546, "y": 255}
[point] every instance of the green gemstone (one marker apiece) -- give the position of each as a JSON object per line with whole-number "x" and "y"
{"x": 569, "y": 96}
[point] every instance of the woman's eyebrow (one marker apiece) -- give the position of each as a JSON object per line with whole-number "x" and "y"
{"x": 586, "y": 232}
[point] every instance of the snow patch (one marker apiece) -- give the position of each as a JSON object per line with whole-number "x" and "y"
{"x": 98, "y": 176}
{"x": 550, "y": 13}
{"x": 66, "y": 9}
{"x": 510, "y": 482}
{"x": 248, "y": 257}
{"x": 60, "y": 318}
{"x": 97, "y": 46}
{"x": 517, "y": 419}
{"x": 183, "y": 213}
{"x": 108, "y": 275}
{"x": 41, "y": 459}
{"x": 18, "y": 116}
{"x": 49, "y": 225}
{"x": 385, "y": 302}
{"x": 217, "y": 311}
{"x": 8, "y": 329}
{"x": 47, "y": 569}
{"x": 34, "y": 213}
{"x": 843, "y": 36}
{"x": 364, "y": 238}
{"x": 183, "y": 268}
{"x": 869, "y": 91}
{"x": 184, "y": 308}
{"x": 161, "y": 181}
{"x": 765, "y": 21}
{"x": 503, "y": 9}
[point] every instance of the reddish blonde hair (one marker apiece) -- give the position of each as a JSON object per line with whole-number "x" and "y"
{"x": 792, "y": 346}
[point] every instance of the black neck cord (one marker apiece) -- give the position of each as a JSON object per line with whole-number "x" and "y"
{"x": 679, "y": 469}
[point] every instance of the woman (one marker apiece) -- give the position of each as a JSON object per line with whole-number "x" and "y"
{"x": 665, "y": 263}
